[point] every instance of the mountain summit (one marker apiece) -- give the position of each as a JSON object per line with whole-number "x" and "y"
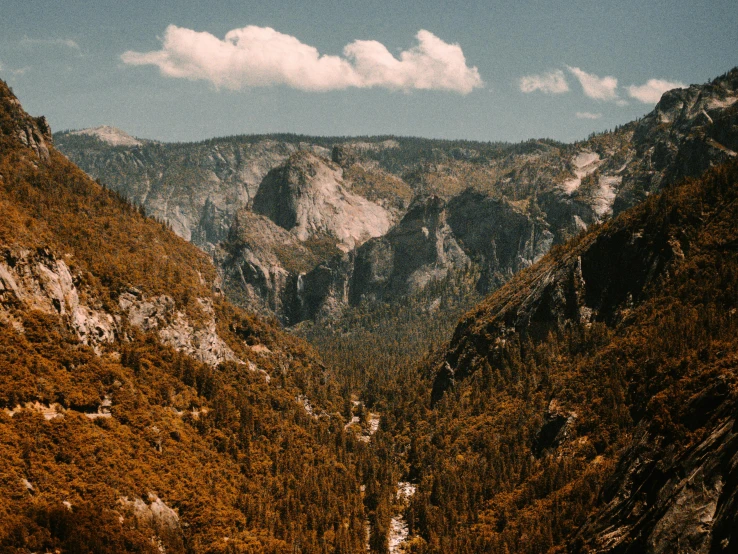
{"x": 109, "y": 135}
{"x": 306, "y": 195}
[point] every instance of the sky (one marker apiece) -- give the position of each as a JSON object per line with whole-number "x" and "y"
{"x": 477, "y": 70}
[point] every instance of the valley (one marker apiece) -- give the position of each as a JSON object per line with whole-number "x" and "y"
{"x": 285, "y": 343}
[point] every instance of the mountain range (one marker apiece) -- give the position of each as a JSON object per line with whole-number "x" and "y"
{"x": 376, "y": 218}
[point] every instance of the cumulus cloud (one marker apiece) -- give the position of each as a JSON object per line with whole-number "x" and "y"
{"x": 599, "y": 88}
{"x": 651, "y": 92}
{"x": 588, "y": 115}
{"x": 552, "y": 82}
{"x": 260, "y": 56}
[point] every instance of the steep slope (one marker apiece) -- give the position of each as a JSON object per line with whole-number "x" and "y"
{"x": 197, "y": 190}
{"x": 589, "y": 404}
{"x": 262, "y": 263}
{"x": 140, "y": 411}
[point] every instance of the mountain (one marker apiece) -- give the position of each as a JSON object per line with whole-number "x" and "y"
{"x": 307, "y": 196}
{"x": 505, "y": 205}
{"x": 140, "y": 411}
{"x": 589, "y": 405}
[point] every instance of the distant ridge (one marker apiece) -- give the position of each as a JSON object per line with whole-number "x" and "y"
{"x": 110, "y": 135}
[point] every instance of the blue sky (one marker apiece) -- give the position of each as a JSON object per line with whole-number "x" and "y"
{"x": 150, "y": 69}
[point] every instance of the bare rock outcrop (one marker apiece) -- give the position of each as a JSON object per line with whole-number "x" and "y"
{"x": 37, "y": 280}
{"x": 307, "y": 196}
{"x": 160, "y": 314}
{"x": 662, "y": 499}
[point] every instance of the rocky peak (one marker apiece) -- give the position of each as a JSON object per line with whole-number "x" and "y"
{"x": 689, "y": 131}
{"x": 681, "y": 106}
{"x": 18, "y": 126}
{"x": 307, "y": 196}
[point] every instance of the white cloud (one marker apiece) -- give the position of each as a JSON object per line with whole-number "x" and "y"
{"x": 599, "y": 88}
{"x": 260, "y": 56}
{"x": 552, "y": 82}
{"x": 588, "y": 115}
{"x": 65, "y": 42}
{"x": 651, "y": 92}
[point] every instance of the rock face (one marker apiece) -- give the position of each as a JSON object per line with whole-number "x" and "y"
{"x": 307, "y": 196}
{"x": 197, "y": 189}
{"x": 262, "y": 262}
{"x": 664, "y": 500}
{"x": 501, "y": 237}
{"x": 198, "y": 340}
{"x": 39, "y": 281}
{"x": 419, "y": 250}
{"x": 597, "y": 280}
{"x": 688, "y": 131}
{"x": 21, "y": 128}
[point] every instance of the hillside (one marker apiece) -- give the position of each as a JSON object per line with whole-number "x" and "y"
{"x": 589, "y": 405}
{"x": 139, "y": 410}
